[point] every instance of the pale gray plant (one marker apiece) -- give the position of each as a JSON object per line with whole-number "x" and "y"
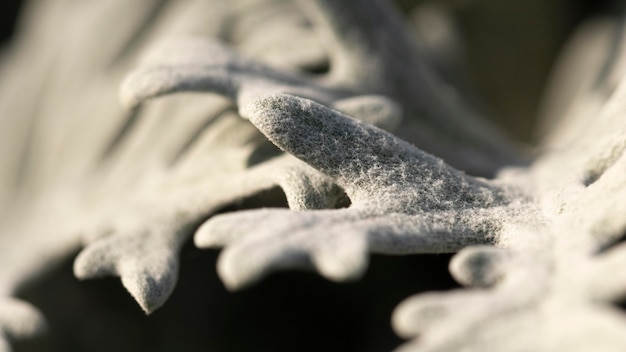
{"x": 133, "y": 185}
{"x": 77, "y": 168}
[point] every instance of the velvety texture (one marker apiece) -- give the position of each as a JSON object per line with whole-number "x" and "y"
{"x": 375, "y": 154}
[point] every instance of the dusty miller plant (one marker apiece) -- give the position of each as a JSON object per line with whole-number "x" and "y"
{"x": 335, "y": 103}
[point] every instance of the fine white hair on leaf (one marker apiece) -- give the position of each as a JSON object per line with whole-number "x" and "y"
{"x": 330, "y": 110}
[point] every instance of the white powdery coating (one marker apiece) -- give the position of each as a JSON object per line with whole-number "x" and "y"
{"x": 141, "y": 182}
{"x": 132, "y": 185}
{"x": 557, "y": 284}
{"x": 403, "y": 200}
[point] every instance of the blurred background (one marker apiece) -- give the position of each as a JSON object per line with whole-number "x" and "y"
{"x": 502, "y": 42}
{"x": 510, "y": 48}
{"x": 507, "y": 50}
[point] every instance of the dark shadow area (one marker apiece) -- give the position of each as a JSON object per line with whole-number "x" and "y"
{"x": 290, "y": 311}
{"x": 621, "y": 305}
{"x": 319, "y": 68}
{"x": 270, "y": 198}
{"x": 8, "y": 19}
{"x": 262, "y": 153}
{"x": 510, "y": 49}
{"x": 610, "y": 245}
{"x": 129, "y": 123}
{"x": 197, "y": 135}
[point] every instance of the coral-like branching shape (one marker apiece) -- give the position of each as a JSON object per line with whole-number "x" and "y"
{"x": 198, "y": 65}
{"x": 556, "y": 283}
{"x": 130, "y": 185}
{"x": 406, "y": 201}
{"x": 403, "y": 200}
{"x": 539, "y": 245}
{"x": 368, "y": 51}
